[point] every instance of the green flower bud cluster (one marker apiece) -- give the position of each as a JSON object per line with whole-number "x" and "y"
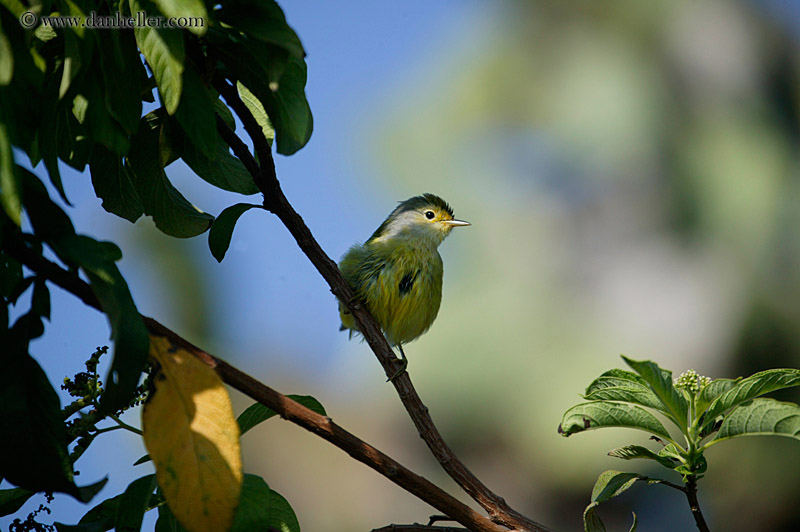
{"x": 692, "y": 382}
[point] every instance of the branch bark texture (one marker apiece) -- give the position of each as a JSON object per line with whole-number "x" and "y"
{"x": 284, "y": 406}
{"x": 276, "y": 202}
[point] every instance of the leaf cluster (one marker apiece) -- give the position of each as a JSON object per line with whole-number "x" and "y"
{"x": 124, "y": 104}
{"x": 701, "y": 413}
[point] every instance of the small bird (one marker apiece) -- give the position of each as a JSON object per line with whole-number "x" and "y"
{"x": 398, "y": 272}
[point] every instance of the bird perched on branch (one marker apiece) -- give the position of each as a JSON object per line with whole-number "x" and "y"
{"x": 397, "y": 273}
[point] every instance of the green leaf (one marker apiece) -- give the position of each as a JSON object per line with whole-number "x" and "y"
{"x": 761, "y": 417}
{"x": 36, "y": 457}
{"x": 695, "y": 469}
{"x": 612, "y": 483}
{"x": 17, "y": 290}
{"x": 99, "y": 519}
{"x": 635, "y": 394}
{"x": 195, "y": 113}
{"x": 753, "y": 386}
{"x": 133, "y": 503}
{"x": 186, "y": 8}
{"x": 167, "y": 522}
{"x": 113, "y": 184}
{"x": 219, "y": 237}
{"x": 29, "y": 326}
{"x": 49, "y": 221}
{"x": 6, "y": 59}
{"x": 131, "y": 340}
{"x": 616, "y": 377}
{"x": 21, "y": 107}
{"x": 629, "y": 452}
{"x": 87, "y": 493}
{"x": 99, "y": 122}
{"x": 278, "y": 83}
{"x": 12, "y": 500}
{"x": 163, "y": 49}
{"x": 72, "y": 61}
{"x": 289, "y": 109}
{"x": 257, "y": 110}
{"x": 676, "y": 407}
{"x": 254, "y": 506}
{"x": 591, "y": 521}
{"x": 120, "y": 78}
{"x": 142, "y": 460}
{"x": 225, "y": 113}
{"x": 219, "y": 168}
{"x": 172, "y": 213}
{"x": 711, "y": 391}
{"x": 281, "y": 515}
{"x": 258, "y": 413}
{"x": 40, "y": 302}
{"x": 596, "y": 415}
{"x": 10, "y": 195}
{"x": 72, "y": 138}
{"x": 609, "y": 484}
{"x": 12, "y": 284}
{"x": 264, "y": 20}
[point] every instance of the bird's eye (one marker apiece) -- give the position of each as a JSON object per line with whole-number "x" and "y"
{"x": 429, "y": 215}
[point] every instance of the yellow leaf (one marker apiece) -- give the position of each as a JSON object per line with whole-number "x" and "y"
{"x": 193, "y": 438}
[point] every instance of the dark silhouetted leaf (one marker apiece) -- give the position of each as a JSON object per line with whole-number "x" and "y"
{"x": 264, "y": 20}
{"x": 133, "y": 503}
{"x": 172, "y": 213}
{"x": 12, "y": 500}
{"x": 258, "y": 413}
{"x": 219, "y": 237}
{"x": 114, "y": 185}
{"x": 195, "y": 113}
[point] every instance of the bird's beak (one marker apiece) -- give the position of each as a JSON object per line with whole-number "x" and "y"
{"x": 456, "y": 223}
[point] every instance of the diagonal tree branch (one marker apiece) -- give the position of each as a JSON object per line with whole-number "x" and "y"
{"x": 287, "y": 408}
{"x": 276, "y": 202}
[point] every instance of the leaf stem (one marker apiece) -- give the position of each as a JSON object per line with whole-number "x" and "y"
{"x": 124, "y": 425}
{"x": 664, "y": 482}
{"x": 108, "y": 429}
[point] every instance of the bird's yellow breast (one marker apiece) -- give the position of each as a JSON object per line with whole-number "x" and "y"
{"x": 401, "y": 285}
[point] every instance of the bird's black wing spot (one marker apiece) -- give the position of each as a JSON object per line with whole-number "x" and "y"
{"x": 407, "y": 282}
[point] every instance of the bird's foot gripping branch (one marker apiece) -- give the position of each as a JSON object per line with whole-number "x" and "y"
{"x": 702, "y": 412}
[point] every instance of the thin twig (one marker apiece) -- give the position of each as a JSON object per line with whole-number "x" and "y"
{"x": 239, "y": 148}
{"x": 286, "y": 407}
{"x": 254, "y": 131}
{"x": 664, "y": 482}
{"x": 276, "y": 202}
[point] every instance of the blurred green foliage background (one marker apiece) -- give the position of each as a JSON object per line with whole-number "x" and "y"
{"x": 631, "y": 172}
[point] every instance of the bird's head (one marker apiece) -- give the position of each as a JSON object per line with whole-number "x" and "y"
{"x": 426, "y": 219}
